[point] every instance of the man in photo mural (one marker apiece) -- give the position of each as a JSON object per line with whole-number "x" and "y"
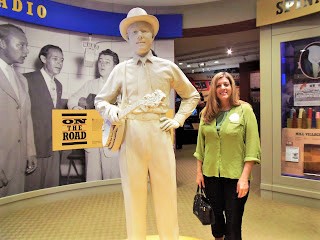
{"x": 100, "y": 162}
{"x": 17, "y": 150}
{"x": 147, "y": 149}
{"x": 45, "y": 94}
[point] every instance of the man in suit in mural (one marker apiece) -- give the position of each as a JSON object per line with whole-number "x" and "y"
{"x": 147, "y": 148}
{"x": 101, "y": 163}
{"x": 45, "y": 93}
{"x": 17, "y": 150}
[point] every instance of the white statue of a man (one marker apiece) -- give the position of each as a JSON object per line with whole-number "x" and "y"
{"x": 147, "y": 149}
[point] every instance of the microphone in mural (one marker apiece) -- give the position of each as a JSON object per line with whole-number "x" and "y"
{"x": 89, "y": 52}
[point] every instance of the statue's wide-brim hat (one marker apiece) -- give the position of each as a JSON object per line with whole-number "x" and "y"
{"x": 138, "y": 15}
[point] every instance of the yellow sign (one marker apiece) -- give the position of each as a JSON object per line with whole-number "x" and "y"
{"x": 274, "y": 11}
{"x": 76, "y": 129}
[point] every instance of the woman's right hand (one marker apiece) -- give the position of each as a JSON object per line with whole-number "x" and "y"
{"x": 200, "y": 179}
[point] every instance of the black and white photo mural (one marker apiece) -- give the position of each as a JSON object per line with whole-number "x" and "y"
{"x": 43, "y": 68}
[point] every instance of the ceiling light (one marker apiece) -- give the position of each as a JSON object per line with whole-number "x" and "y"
{"x": 188, "y": 65}
{"x": 180, "y": 63}
{"x": 216, "y": 62}
{"x": 202, "y": 64}
{"x": 229, "y": 51}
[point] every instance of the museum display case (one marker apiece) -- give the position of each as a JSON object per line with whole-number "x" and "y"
{"x": 300, "y": 108}
{"x": 290, "y": 105}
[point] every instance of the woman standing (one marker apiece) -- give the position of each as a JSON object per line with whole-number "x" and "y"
{"x": 228, "y": 146}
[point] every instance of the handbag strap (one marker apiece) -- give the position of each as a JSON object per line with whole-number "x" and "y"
{"x": 200, "y": 190}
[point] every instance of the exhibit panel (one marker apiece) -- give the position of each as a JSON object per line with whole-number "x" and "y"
{"x": 80, "y": 74}
{"x": 290, "y": 166}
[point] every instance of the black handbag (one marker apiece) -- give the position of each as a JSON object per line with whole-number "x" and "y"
{"x": 202, "y": 208}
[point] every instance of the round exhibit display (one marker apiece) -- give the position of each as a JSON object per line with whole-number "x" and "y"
{"x": 156, "y": 237}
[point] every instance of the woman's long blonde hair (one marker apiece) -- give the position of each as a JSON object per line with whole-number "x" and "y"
{"x": 213, "y": 106}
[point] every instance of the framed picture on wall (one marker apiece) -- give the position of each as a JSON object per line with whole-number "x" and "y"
{"x": 255, "y": 80}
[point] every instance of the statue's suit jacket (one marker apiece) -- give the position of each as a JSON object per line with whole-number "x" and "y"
{"x": 41, "y": 109}
{"x": 16, "y": 130}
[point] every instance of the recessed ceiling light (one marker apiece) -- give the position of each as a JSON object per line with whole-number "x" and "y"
{"x": 180, "y": 63}
{"x": 188, "y": 65}
{"x": 229, "y": 51}
{"x": 216, "y": 62}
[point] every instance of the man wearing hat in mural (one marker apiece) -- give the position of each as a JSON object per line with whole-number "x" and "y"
{"x": 147, "y": 147}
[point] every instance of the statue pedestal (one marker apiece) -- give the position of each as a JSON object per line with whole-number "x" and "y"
{"x": 156, "y": 237}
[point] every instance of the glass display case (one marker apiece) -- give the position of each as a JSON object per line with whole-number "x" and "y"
{"x": 300, "y": 108}
{"x": 290, "y": 155}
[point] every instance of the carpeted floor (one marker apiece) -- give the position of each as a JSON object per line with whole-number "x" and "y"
{"x": 102, "y": 216}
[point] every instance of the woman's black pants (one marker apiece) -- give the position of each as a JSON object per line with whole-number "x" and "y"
{"x": 227, "y": 207}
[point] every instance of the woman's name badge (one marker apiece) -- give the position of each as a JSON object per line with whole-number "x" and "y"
{"x": 234, "y": 118}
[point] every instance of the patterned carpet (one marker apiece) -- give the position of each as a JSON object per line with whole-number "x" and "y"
{"x": 102, "y": 216}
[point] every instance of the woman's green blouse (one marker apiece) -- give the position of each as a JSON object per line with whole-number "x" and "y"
{"x": 224, "y": 153}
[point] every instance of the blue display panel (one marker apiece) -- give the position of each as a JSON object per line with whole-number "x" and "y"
{"x": 57, "y": 15}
